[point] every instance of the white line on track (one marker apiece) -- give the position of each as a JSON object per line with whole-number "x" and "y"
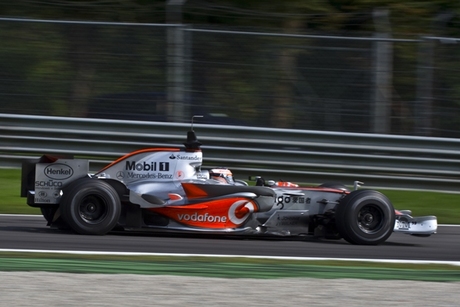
{"x": 454, "y": 263}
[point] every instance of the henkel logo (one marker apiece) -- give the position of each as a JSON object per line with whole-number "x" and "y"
{"x": 58, "y": 171}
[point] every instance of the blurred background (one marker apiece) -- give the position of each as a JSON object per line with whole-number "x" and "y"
{"x": 368, "y": 66}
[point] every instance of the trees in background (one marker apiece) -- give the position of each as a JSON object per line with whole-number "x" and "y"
{"x": 56, "y": 71}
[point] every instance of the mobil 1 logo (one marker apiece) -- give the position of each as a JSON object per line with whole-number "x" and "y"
{"x": 147, "y": 166}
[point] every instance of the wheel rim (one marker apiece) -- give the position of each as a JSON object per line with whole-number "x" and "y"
{"x": 93, "y": 209}
{"x": 370, "y": 219}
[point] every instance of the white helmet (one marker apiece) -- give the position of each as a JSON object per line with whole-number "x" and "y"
{"x": 223, "y": 175}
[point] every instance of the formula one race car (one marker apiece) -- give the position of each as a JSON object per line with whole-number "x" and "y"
{"x": 166, "y": 189}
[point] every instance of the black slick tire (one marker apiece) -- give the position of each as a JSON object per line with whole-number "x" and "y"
{"x": 90, "y": 206}
{"x": 365, "y": 217}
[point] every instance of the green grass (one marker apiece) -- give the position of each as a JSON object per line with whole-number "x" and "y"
{"x": 10, "y": 189}
{"x": 444, "y": 205}
{"x": 225, "y": 267}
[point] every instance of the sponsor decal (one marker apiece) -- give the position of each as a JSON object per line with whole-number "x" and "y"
{"x": 49, "y": 183}
{"x": 165, "y": 176}
{"x": 223, "y": 213}
{"x": 147, "y": 166}
{"x": 58, "y": 171}
{"x": 239, "y": 211}
{"x": 42, "y": 194}
{"x": 133, "y": 175}
{"x": 282, "y": 200}
{"x": 402, "y": 225}
{"x": 186, "y": 157}
{"x": 289, "y": 220}
{"x": 202, "y": 176}
{"x": 191, "y": 158}
{"x": 195, "y": 217}
{"x": 180, "y": 174}
{"x": 163, "y": 166}
{"x": 301, "y": 200}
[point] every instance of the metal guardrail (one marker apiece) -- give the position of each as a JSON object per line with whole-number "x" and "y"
{"x": 294, "y": 155}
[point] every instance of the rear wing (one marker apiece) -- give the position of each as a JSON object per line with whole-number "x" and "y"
{"x": 43, "y": 179}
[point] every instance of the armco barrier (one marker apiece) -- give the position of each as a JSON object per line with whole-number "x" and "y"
{"x": 295, "y": 155}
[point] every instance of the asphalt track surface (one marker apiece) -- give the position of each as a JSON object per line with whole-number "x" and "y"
{"x": 31, "y": 233}
{"x": 64, "y": 289}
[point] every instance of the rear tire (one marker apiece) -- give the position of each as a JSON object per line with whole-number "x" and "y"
{"x": 365, "y": 217}
{"x": 90, "y": 206}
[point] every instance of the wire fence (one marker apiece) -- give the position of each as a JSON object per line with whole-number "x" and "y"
{"x": 161, "y": 72}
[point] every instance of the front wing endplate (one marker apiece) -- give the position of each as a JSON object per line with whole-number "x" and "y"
{"x": 423, "y": 225}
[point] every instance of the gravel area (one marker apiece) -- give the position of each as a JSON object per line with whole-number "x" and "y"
{"x": 62, "y": 289}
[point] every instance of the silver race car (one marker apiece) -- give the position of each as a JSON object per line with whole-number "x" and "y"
{"x": 166, "y": 189}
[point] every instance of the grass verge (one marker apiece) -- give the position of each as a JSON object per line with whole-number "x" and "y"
{"x": 230, "y": 267}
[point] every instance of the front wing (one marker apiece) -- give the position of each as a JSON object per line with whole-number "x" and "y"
{"x": 417, "y": 226}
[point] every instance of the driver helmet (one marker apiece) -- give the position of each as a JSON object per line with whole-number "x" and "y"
{"x": 223, "y": 175}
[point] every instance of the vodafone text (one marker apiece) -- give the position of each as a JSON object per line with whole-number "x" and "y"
{"x": 195, "y": 217}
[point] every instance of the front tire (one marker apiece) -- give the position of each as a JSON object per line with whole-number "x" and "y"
{"x": 365, "y": 217}
{"x": 90, "y": 206}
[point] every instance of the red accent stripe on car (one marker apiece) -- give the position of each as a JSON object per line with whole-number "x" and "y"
{"x": 135, "y": 153}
